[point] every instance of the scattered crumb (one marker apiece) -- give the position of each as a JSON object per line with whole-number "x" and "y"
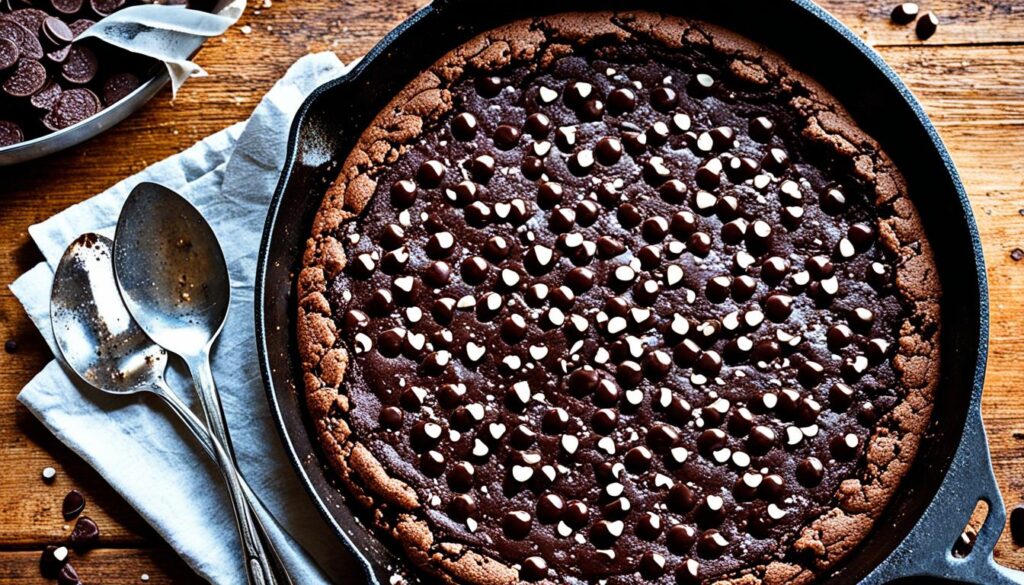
{"x": 144, "y": 577}
{"x": 49, "y": 473}
{"x": 246, "y": 29}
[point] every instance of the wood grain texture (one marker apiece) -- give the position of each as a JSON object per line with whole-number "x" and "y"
{"x": 970, "y": 78}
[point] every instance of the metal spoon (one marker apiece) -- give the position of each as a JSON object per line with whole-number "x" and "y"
{"x": 101, "y": 342}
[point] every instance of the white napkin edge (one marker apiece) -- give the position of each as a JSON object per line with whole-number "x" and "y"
{"x": 170, "y": 34}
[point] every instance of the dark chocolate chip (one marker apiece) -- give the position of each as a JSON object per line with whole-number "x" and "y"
{"x": 489, "y": 87}
{"x": 927, "y": 25}
{"x": 649, "y": 526}
{"x": 538, "y": 126}
{"x": 534, "y": 569}
{"x": 68, "y": 576}
{"x": 810, "y": 472}
{"x": 778, "y": 307}
{"x": 516, "y": 524}
{"x": 52, "y": 560}
{"x": 680, "y": 538}
{"x": 550, "y": 508}
{"x": 73, "y": 504}
{"x": 664, "y": 99}
{"x": 85, "y": 534}
{"x": 904, "y": 13}
{"x": 464, "y": 126}
{"x": 506, "y": 137}
{"x": 462, "y": 507}
{"x": 391, "y": 418}
{"x": 761, "y": 129}
{"x": 621, "y": 101}
{"x": 429, "y": 174}
{"x": 760, "y": 440}
{"x": 432, "y": 464}
{"x": 608, "y": 151}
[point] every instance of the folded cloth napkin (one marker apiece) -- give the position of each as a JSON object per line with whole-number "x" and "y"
{"x": 136, "y": 444}
{"x": 167, "y": 33}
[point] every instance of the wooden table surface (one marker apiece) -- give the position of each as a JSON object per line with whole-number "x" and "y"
{"x": 970, "y": 77}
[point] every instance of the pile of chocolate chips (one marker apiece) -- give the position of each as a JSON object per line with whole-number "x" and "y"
{"x": 54, "y": 563}
{"x": 49, "y": 82}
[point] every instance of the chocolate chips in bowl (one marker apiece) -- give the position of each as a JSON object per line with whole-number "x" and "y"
{"x": 50, "y": 82}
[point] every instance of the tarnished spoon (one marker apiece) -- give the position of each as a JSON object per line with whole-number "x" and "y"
{"x": 101, "y": 342}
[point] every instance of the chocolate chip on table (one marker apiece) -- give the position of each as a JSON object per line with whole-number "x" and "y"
{"x": 1017, "y": 525}
{"x": 1017, "y": 254}
{"x": 904, "y": 13}
{"x": 52, "y": 560}
{"x": 927, "y": 25}
{"x": 73, "y": 505}
{"x": 68, "y": 576}
{"x": 85, "y": 534}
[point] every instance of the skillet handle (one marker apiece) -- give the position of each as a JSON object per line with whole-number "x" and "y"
{"x": 927, "y": 551}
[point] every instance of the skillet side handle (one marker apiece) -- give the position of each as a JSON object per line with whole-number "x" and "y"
{"x": 927, "y": 551}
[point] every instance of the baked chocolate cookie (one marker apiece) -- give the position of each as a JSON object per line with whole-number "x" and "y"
{"x": 618, "y": 298}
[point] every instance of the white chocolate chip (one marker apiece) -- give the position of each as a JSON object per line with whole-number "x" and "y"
{"x": 521, "y": 473}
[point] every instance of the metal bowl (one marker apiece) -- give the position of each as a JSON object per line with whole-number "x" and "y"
{"x": 101, "y": 122}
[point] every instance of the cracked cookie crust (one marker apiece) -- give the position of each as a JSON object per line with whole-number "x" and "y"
{"x": 618, "y": 297}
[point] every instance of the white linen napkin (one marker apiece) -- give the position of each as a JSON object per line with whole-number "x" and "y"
{"x": 136, "y": 444}
{"x": 167, "y": 33}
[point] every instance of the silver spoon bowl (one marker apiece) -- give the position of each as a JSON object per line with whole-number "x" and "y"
{"x": 101, "y": 342}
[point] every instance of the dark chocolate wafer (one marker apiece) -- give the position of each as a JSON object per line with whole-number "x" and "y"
{"x": 28, "y": 77}
{"x": 73, "y": 106}
{"x": 10, "y": 133}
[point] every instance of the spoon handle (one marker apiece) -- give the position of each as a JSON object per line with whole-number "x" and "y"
{"x": 257, "y": 566}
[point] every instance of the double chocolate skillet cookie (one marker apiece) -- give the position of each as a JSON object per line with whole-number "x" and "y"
{"x": 618, "y": 298}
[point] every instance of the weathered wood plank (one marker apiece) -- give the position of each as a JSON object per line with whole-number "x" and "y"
{"x": 161, "y": 566}
{"x": 960, "y": 21}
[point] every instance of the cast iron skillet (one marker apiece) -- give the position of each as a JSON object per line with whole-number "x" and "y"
{"x": 914, "y": 536}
